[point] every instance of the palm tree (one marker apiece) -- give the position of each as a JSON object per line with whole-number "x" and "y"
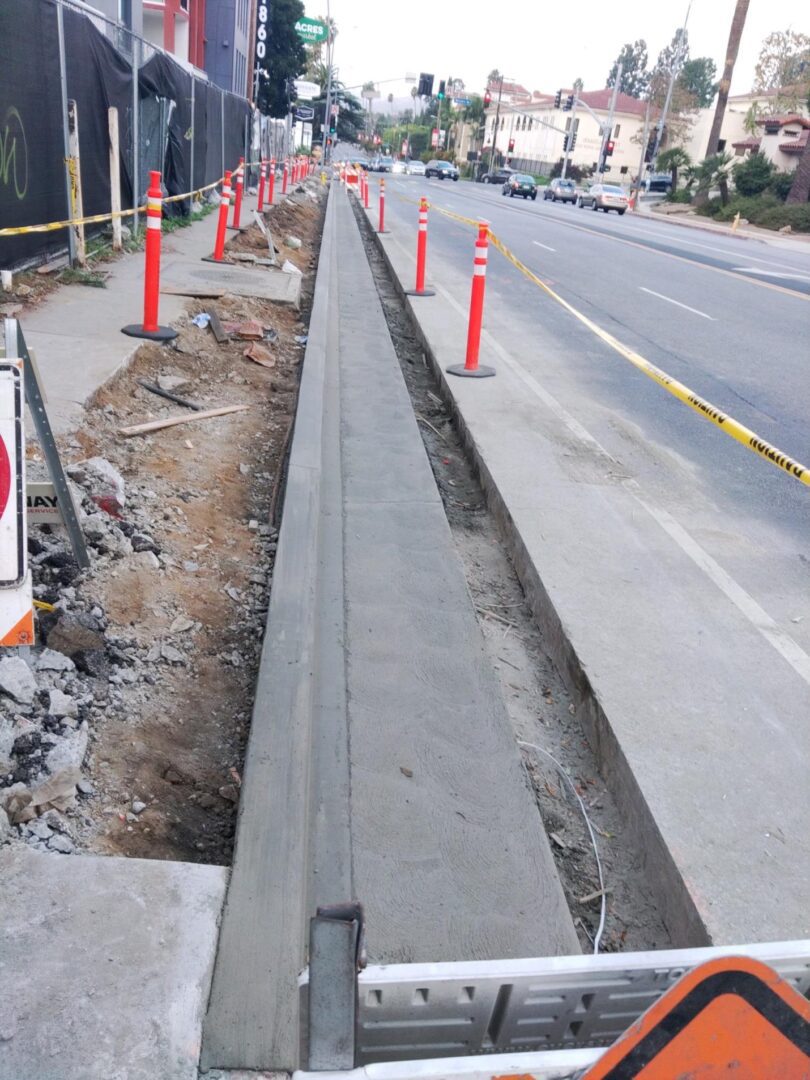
{"x": 733, "y": 47}
{"x": 673, "y": 159}
{"x": 713, "y": 171}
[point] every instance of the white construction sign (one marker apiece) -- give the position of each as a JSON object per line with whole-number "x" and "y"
{"x": 16, "y": 609}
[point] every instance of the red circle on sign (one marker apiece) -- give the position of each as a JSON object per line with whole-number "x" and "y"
{"x": 5, "y": 477}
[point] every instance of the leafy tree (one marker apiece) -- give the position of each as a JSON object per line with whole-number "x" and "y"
{"x": 474, "y": 112}
{"x": 633, "y": 58}
{"x": 780, "y": 185}
{"x": 494, "y": 78}
{"x": 733, "y": 47}
{"x": 750, "y": 121}
{"x": 673, "y": 56}
{"x": 784, "y": 66}
{"x": 673, "y": 159}
{"x": 697, "y": 78}
{"x": 286, "y": 57}
{"x": 753, "y": 175}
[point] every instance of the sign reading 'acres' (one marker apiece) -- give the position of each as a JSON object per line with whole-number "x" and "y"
{"x": 312, "y": 31}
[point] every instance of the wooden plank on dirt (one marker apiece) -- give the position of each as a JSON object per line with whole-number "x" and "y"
{"x": 171, "y": 421}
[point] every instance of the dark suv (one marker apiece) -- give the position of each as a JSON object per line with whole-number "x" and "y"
{"x": 443, "y": 170}
{"x": 564, "y": 190}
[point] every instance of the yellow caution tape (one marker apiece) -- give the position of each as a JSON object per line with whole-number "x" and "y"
{"x": 42, "y": 606}
{"x": 53, "y": 226}
{"x": 743, "y": 435}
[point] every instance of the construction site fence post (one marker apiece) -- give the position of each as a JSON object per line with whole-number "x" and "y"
{"x": 262, "y": 179}
{"x": 381, "y": 226}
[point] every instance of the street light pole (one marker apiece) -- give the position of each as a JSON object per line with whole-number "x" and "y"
{"x": 327, "y": 119}
{"x": 572, "y": 129}
{"x": 673, "y": 74}
{"x": 642, "y": 160}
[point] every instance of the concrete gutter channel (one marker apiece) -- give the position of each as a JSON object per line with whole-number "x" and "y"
{"x": 381, "y": 764}
{"x": 697, "y": 741}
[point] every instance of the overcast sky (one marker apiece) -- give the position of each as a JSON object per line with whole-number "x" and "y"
{"x": 542, "y": 44}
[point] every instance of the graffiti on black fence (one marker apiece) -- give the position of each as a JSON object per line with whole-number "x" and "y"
{"x": 14, "y": 153}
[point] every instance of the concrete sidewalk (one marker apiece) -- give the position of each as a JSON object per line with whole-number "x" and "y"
{"x": 381, "y": 764}
{"x": 693, "y": 699}
{"x": 76, "y": 332}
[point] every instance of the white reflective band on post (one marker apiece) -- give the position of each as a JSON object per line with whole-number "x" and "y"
{"x": 153, "y": 223}
{"x": 153, "y": 204}
{"x": 480, "y": 270}
{"x": 422, "y": 226}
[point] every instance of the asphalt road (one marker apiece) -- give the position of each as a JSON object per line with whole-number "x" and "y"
{"x": 729, "y": 317}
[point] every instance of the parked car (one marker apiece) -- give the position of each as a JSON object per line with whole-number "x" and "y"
{"x": 661, "y": 182}
{"x": 562, "y": 190}
{"x": 520, "y": 184}
{"x": 604, "y": 197}
{"x": 497, "y": 176}
{"x": 443, "y": 170}
{"x": 416, "y": 168}
{"x": 399, "y": 167}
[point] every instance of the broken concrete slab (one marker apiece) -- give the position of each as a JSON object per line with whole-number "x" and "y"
{"x": 117, "y": 956}
{"x": 265, "y": 284}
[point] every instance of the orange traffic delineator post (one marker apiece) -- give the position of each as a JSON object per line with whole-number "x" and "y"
{"x": 219, "y": 245}
{"x": 272, "y": 179}
{"x": 237, "y": 202}
{"x": 471, "y": 368}
{"x": 151, "y": 277}
{"x": 284, "y": 178}
{"x": 365, "y": 190}
{"x": 262, "y": 179}
{"x": 421, "y": 253}
{"x": 381, "y": 226}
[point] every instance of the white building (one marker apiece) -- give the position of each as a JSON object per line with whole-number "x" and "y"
{"x": 535, "y": 130}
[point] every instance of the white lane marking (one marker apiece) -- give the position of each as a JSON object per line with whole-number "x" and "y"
{"x": 543, "y": 245}
{"x": 782, "y": 642}
{"x": 677, "y": 303}
{"x": 769, "y": 273}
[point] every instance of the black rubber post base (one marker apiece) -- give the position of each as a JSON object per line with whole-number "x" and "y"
{"x": 237, "y": 228}
{"x": 163, "y": 333}
{"x": 416, "y": 292}
{"x": 481, "y": 372}
{"x": 383, "y": 232}
{"x": 216, "y": 262}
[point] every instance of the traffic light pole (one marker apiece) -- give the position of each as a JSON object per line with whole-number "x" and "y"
{"x": 570, "y": 137}
{"x": 495, "y": 132}
{"x": 643, "y": 158}
{"x": 608, "y": 135}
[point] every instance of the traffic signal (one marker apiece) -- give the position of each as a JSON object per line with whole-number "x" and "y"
{"x": 487, "y": 99}
{"x": 572, "y": 142}
{"x": 558, "y": 99}
{"x": 425, "y": 88}
{"x": 440, "y": 94}
{"x": 565, "y": 144}
{"x": 569, "y": 103}
{"x": 609, "y": 146}
{"x": 511, "y": 145}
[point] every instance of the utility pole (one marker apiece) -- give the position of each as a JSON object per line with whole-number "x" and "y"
{"x": 577, "y": 90}
{"x": 495, "y": 132}
{"x": 607, "y": 134}
{"x": 673, "y": 74}
{"x": 327, "y": 119}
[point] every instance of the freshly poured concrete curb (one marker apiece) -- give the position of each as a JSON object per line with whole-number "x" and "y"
{"x": 687, "y": 708}
{"x": 381, "y": 766}
{"x": 105, "y": 965}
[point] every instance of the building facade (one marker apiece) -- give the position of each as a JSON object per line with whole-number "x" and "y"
{"x": 535, "y": 129}
{"x": 228, "y": 45}
{"x": 178, "y": 26}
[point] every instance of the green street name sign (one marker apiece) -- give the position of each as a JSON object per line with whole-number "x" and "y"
{"x": 312, "y": 31}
